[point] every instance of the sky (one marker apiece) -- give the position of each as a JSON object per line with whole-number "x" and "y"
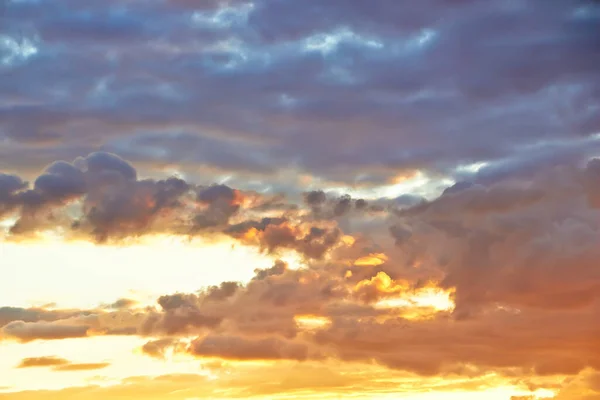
{"x": 299, "y": 199}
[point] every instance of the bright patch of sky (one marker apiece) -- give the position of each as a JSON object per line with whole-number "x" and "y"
{"x": 587, "y": 12}
{"x": 234, "y": 49}
{"x": 118, "y": 351}
{"x": 233, "y": 53}
{"x": 422, "y": 39}
{"x": 471, "y": 168}
{"x": 287, "y": 101}
{"x": 224, "y": 17}
{"x": 326, "y": 43}
{"x": 93, "y": 274}
{"x": 421, "y": 184}
{"x": 15, "y": 50}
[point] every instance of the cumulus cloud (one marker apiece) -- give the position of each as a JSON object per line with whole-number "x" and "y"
{"x": 100, "y": 196}
{"x": 528, "y": 243}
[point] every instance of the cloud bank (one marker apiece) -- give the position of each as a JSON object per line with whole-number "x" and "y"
{"x": 434, "y": 165}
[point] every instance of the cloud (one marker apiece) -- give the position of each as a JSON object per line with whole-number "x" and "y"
{"x": 100, "y": 196}
{"x": 303, "y": 84}
{"x": 122, "y": 304}
{"x": 534, "y": 238}
{"x": 158, "y": 348}
{"x": 272, "y": 234}
{"x": 28, "y": 331}
{"x": 494, "y": 106}
{"x": 8, "y": 314}
{"x": 59, "y": 364}
{"x": 9, "y": 185}
{"x": 238, "y": 348}
{"x": 516, "y": 256}
{"x": 42, "y": 362}
{"x": 31, "y": 324}
{"x": 81, "y": 367}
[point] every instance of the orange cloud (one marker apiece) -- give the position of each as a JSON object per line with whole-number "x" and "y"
{"x": 486, "y": 277}
{"x": 81, "y": 367}
{"x": 59, "y": 364}
{"x": 42, "y": 362}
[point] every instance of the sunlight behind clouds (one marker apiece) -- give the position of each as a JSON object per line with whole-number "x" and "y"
{"x": 90, "y": 275}
{"x": 299, "y": 199}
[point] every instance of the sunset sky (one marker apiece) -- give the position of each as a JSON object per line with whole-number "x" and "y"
{"x": 299, "y": 199}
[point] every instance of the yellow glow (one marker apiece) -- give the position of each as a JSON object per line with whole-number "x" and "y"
{"x": 404, "y": 177}
{"x": 132, "y": 376}
{"x": 118, "y": 351}
{"x": 251, "y": 235}
{"x": 544, "y": 394}
{"x": 431, "y": 298}
{"x": 434, "y": 298}
{"x": 348, "y": 240}
{"x": 423, "y": 303}
{"x": 77, "y": 274}
{"x": 372, "y": 260}
{"x": 308, "y": 322}
{"x": 384, "y": 284}
{"x": 83, "y": 275}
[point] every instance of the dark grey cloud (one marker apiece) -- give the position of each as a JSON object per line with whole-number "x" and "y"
{"x": 347, "y": 91}
{"x": 9, "y": 185}
{"x": 100, "y": 197}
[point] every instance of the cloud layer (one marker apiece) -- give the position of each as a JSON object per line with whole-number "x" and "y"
{"x": 517, "y": 256}
{"x": 432, "y": 164}
{"x": 345, "y": 92}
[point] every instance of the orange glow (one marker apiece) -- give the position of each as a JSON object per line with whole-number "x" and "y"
{"x": 403, "y": 177}
{"x": 250, "y": 235}
{"x": 239, "y": 198}
{"x": 305, "y": 179}
{"x": 384, "y": 284}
